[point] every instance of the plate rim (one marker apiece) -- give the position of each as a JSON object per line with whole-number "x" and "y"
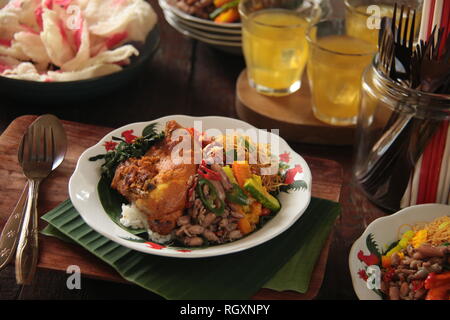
{"x": 195, "y": 253}
{"x": 202, "y": 33}
{"x": 204, "y": 27}
{"x": 212, "y": 42}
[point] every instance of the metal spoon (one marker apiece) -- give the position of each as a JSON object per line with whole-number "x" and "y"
{"x": 41, "y": 151}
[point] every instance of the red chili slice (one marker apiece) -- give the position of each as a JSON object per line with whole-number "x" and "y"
{"x": 388, "y": 275}
{"x": 207, "y": 173}
{"x": 189, "y": 204}
{"x": 265, "y": 212}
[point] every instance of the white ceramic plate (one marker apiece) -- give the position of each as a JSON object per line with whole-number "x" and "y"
{"x": 216, "y": 43}
{"x": 232, "y": 47}
{"x": 213, "y": 30}
{"x": 164, "y": 5}
{"x": 200, "y": 33}
{"x": 84, "y": 195}
{"x": 386, "y": 231}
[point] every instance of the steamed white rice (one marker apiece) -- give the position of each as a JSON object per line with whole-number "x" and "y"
{"x": 134, "y": 218}
{"x": 159, "y": 238}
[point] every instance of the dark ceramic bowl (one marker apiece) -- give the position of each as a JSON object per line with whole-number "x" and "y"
{"x": 70, "y": 91}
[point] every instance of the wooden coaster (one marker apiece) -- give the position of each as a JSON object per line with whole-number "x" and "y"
{"x": 292, "y": 115}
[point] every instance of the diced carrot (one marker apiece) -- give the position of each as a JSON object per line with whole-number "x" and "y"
{"x": 435, "y": 280}
{"x": 241, "y": 171}
{"x": 219, "y": 3}
{"x": 439, "y": 293}
{"x": 256, "y": 208}
{"x": 256, "y": 212}
{"x": 386, "y": 261}
{"x": 236, "y": 207}
{"x": 244, "y": 226}
{"x": 231, "y": 15}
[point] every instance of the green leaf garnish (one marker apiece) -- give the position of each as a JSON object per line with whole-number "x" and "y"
{"x": 125, "y": 151}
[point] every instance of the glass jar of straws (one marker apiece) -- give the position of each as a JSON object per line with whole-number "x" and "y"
{"x": 395, "y": 126}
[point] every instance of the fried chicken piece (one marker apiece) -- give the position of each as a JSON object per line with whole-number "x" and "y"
{"x": 156, "y": 184}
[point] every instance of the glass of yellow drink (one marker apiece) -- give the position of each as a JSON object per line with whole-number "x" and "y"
{"x": 274, "y": 43}
{"x": 335, "y": 69}
{"x": 363, "y": 17}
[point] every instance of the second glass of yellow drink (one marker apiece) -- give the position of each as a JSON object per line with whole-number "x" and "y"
{"x": 335, "y": 67}
{"x": 274, "y": 43}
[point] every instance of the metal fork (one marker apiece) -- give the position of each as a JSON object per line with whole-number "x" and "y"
{"x": 404, "y": 41}
{"x": 434, "y": 68}
{"x": 396, "y": 43}
{"x": 386, "y": 46}
{"x": 36, "y": 155}
{"x": 396, "y": 47}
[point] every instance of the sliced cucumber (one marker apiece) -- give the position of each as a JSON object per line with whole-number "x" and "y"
{"x": 258, "y": 192}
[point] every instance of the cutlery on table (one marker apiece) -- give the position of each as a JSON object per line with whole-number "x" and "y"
{"x": 41, "y": 151}
{"x": 9, "y": 236}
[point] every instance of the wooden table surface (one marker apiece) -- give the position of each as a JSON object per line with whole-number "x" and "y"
{"x": 185, "y": 77}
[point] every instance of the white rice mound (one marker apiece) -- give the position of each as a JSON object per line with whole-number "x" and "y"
{"x": 159, "y": 238}
{"x": 134, "y": 218}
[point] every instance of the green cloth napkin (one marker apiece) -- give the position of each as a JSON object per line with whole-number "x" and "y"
{"x": 283, "y": 263}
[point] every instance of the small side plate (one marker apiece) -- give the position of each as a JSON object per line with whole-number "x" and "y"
{"x": 383, "y": 232}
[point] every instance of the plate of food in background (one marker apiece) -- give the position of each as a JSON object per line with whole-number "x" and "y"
{"x": 59, "y": 50}
{"x": 131, "y": 189}
{"x": 215, "y": 13}
{"x": 214, "y": 22}
{"x": 405, "y": 256}
{"x": 214, "y": 40}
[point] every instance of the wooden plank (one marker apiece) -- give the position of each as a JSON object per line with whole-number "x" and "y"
{"x": 58, "y": 255}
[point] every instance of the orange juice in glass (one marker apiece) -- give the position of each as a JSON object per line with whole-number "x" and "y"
{"x": 274, "y": 43}
{"x": 335, "y": 67}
